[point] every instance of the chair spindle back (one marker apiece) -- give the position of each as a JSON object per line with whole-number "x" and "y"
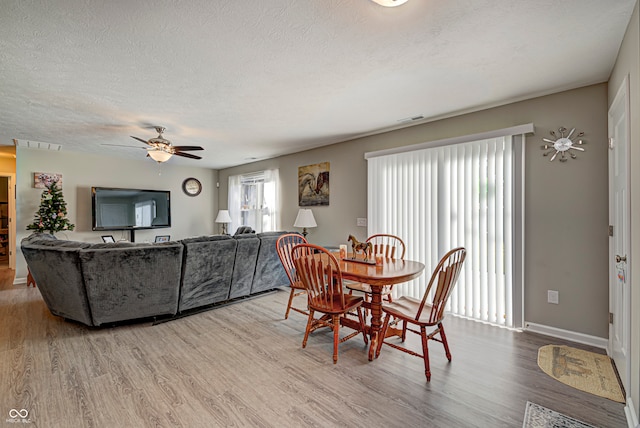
{"x": 284, "y": 245}
{"x": 390, "y": 246}
{"x": 320, "y": 273}
{"x": 444, "y": 277}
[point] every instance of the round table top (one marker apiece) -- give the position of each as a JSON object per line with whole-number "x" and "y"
{"x": 392, "y": 271}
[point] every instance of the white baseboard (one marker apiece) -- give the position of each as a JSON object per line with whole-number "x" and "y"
{"x": 630, "y": 412}
{"x": 585, "y": 339}
{"x": 20, "y": 281}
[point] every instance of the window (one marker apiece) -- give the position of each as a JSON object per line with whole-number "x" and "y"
{"x": 441, "y": 196}
{"x": 253, "y": 201}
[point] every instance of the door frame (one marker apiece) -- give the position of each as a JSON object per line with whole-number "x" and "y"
{"x": 623, "y": 91}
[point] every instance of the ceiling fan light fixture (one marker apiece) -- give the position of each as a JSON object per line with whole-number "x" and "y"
{"x": 159, "y": 155}
{"x": 390, "y": 3}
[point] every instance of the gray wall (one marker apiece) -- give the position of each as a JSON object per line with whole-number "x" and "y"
{"x": 191, "y": 216}
{"x": 628, "y": 63}
{"x": 566, "y": 204}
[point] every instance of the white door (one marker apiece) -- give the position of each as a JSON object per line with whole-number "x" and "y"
{"x": 619, "y": 217}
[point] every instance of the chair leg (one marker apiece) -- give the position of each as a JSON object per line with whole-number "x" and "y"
{"x": 404, "y": 330}
{"x": 444, "y": 341}
{"x": 293, "y": 292}
{"x": 363, "y": 327}
{"x": 425, "y": 352}
{"x": 308, "y": 329}
{"x": 335, "y": 319}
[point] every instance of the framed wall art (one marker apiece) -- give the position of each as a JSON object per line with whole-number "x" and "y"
{"x": 43, "y": 179}
{"x": 313, "y": 185}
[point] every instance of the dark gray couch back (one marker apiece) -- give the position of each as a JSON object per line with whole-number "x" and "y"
{"x": 125, "y": 281}
{"x": 269, "y": 271}
{"x": 54, "y": 266}
{"x": 207, "y": 270}
{"x": 112, "y": 282}
{"x": 245, "y": 265}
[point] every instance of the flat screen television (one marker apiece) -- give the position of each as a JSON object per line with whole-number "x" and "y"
{"x": 129, "y": 209}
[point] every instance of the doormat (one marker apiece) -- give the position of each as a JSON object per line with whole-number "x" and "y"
{"x": 583, "y": 370}
{"x": 537, "y": 416}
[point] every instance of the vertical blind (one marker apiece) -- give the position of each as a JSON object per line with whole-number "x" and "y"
{"x": 440, "y": 198}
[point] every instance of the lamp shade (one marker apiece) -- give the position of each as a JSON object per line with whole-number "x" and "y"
{"x": 223, "y": 217}
{"x": 390, "y": 3}
{"x": 305, "y": 219}
{"x": 159, "y": 155}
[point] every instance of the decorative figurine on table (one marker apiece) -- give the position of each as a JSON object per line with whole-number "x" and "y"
{"x": 356, "y": 246}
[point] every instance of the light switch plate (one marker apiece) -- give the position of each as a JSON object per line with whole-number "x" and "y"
{"x": 361, "y": 222}
{"x": 552, "y": 296}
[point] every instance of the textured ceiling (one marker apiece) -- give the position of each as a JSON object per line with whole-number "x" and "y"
{"x": 253, "y": 79}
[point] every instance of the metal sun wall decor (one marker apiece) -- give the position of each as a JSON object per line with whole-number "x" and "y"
{"x": 563, "y": 144}
{"x": 313, "y": 185}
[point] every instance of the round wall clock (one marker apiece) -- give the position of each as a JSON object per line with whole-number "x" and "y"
{"x": 563, "y": 144}
{"x": 192, "y": 186}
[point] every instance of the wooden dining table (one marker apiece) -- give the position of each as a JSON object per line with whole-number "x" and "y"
{"x": 392, "y": 271}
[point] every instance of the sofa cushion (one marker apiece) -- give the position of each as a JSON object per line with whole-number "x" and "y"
{"x": 37, "y": 236}
{"x": 269, "y": 271}
{"x": 125, "y": 281}
{"x": 245, "y": 265}
{"x": 205, "y": 238}
{"x": 55, "y": 267}
{"x": 207, "y": 270}
{"x": 243, "y": 230}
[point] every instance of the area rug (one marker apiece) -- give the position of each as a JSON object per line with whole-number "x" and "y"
{"x": 583, "y": 370}
{"x": 537, "y": 416}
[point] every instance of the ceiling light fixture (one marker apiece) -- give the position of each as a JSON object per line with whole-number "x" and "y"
{"x": 159, "y": 155}
{"x": 390, "y": 3}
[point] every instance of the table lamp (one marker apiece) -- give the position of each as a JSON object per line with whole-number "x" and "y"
{"x": 305, "y": 219}
{"x": 224, "y": 218}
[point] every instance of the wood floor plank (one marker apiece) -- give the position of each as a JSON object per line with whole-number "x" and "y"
{"x": 243, "y": 365}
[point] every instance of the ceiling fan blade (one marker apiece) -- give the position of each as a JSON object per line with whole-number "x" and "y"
{"x": 187, "y": 148}
{"x": 187, "y": 155}
{"x": 139, "y": 139}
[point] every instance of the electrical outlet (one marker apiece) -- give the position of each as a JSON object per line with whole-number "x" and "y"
{"x": 361, "y": 222}
{"x": 552, "y": 296}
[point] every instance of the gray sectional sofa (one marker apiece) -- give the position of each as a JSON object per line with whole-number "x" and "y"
{"x": 98, "y": 284}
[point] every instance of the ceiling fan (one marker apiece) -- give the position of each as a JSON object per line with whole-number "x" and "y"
{"x": 161, "y": 149}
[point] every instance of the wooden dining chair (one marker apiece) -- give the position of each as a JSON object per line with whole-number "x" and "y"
{"x": 389, "y": 246}
{"x": 422, "y": 314}
{"x": 320, "y": 273}
{"x": 284, "y": 245}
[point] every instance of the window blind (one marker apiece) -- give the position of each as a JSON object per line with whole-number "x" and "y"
{"x": 443, "y": 197}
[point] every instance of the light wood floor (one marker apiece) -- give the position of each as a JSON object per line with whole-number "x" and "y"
{"x": 243, "y": 365}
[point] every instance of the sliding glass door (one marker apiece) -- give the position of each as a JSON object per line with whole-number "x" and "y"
{"x": 454, "y": 195}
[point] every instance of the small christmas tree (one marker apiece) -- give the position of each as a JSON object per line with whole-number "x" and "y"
{"x": 52, "y": 215}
